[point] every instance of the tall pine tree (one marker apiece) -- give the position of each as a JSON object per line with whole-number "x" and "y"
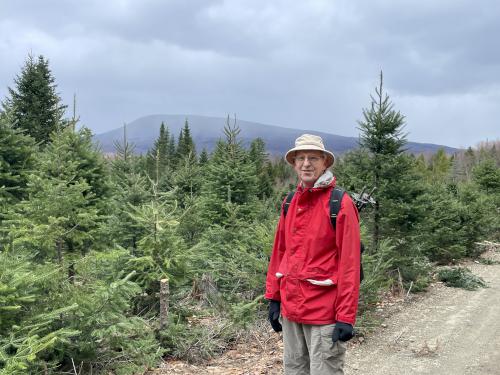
{"x": 185, "y": 144}
{"x": 383, "y": 138}
{"x": 159, "y": 157}
{"x": 34, "y": 104}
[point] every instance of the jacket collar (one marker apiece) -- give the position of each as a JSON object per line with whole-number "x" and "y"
{"x": 327, "y": 179}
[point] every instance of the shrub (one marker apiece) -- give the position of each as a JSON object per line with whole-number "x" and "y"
{"x": 460, "y": 277}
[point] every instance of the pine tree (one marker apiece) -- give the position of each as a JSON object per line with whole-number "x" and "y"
{"x": 67, "y": 198}
{"x": 487, "y": 175}
{"x": 203, "y": 157}
{"x": 16, "y": 160}
{"x": 258, "y": 156}
{"x": 158, "y": 158}
{"x": 187, "y": 180}
{"x": 185, "y": 143}
{"x": 130, "y": 189}
{"x": 30, "y": 326}
{"x": 124, "y": 152}
{"x": 34, "y": 104}
{"x": 440, "y": 166}
{"x": 230, "y": 180}
{"x": 161, "y": 252}
{"x": 382, "y": 136}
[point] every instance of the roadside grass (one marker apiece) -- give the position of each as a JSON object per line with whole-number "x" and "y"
{"x": 488, "y": 261}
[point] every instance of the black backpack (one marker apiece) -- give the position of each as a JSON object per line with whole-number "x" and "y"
{"x": 335, "y": 201}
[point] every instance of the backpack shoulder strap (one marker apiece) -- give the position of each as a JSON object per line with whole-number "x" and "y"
{"x": 288, "y": 200}
{"x": 335, "y": 201}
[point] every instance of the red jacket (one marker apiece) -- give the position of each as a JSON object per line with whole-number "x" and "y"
{"x": 308, "y": 254}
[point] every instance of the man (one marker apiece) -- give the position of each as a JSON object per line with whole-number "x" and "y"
{"x": 313, "y": 275}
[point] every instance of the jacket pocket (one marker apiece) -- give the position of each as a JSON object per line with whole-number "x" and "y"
{"x": 326, "y": 282}
{"x": 320, "y": 277}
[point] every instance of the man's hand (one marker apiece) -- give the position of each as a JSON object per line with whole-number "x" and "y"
{"x": 342, "y": 332}
{"x": 274, "y": 314}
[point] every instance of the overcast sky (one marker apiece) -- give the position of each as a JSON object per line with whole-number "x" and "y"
{"x": 300, "y": 64}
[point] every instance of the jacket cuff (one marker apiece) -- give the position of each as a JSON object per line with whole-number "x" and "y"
{"x": 346, "y": 319}
{"x": 273, "y": 296}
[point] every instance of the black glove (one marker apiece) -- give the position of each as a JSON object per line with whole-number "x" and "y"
{"x": 274, "y": 314}
{"x": 342, "y": 332}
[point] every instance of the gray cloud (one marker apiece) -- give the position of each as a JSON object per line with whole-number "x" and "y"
{"x": 298, "y": 64}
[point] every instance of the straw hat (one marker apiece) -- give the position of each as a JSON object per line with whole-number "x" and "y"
{"x": 310, "y": 142}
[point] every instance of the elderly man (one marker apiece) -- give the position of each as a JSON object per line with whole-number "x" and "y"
{"x": 313, "y": 275}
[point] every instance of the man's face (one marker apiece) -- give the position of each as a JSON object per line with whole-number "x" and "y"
{"x": 309, "y": 166}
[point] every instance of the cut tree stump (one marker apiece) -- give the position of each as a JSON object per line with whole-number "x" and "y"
{"x": 164, "y": 296}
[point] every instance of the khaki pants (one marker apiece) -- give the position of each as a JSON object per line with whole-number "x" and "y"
{"x": 309, "y": 350}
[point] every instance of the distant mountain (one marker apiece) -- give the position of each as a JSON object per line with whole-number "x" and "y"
{"x": 207, "y": 130}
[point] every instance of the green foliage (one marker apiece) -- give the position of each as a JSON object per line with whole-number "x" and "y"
{"x": 47, "y": 320}
{"x": 257, "y": 154}
{"x": 112, "y": 338}
{"x": 16, "y": 160}
{"x": 487, "y": 176}
{"x": 160, "y": 157}
{"x": 230, "y": 181}
{"x": 441, "y": 233}
{"x": 185, "y": 143}
{"x": 161, "y": 252}
{"x": 30, "y": 326}
{"x": 234, "y": 258}
{"x": 130, "y": 188}
{"x": 439, "y": 166}
{"x": 376, "y": 267}
{"x": 34, "y": 104}
{"x": 460, "y": 277}
{"x": 197, "y": 337}
{"x": 480, "y": 218}
{"x": 382, "y": 165}
{"x": 65, "y": 205}
{"x": 187, "y": 180}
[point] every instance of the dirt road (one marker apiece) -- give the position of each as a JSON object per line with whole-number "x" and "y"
{"x": 448, "y": 331}
{"x": 444, "y": 331}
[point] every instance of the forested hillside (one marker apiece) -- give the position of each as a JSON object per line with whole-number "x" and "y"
{"x": 207, "y": 130}
{"x": 109, "y": 264}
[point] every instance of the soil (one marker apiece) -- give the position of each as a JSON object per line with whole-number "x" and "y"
{"x": 443, "y": 331}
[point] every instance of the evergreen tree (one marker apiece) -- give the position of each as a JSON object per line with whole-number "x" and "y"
{"x": 230, "y": 182}
{"x": 30, "y": 324}
{"x": 130, "y": 189}
{"x": 487, "y": 175}
{"x": 16, "y": 160}
{"x": 158, "y": 158}
{"x": 172, "y": 151}
{"x": 34, "y": 104}
{"x": 67, "y": 198}
{"x": 258, "y": 156}
{"x": 187, "y": 180}
{"x": 161, "y": 252}
{"x": 185, "y": 143}
{"x": 124, "y": 152}
{"x": 203, "y": 157}
{"x": 382, "y": 136}
{"x": 440, "y": 166}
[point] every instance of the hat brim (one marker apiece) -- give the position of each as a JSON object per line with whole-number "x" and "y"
{"x": 330, "y": 158}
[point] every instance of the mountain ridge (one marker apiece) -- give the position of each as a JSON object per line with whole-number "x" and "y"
{"x": 207, "y": 130}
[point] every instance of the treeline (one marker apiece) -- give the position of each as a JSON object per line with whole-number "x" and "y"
{"x": 86, "y": 240}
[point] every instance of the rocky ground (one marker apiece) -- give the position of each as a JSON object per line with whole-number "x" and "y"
{"x": 443, "y": 331}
